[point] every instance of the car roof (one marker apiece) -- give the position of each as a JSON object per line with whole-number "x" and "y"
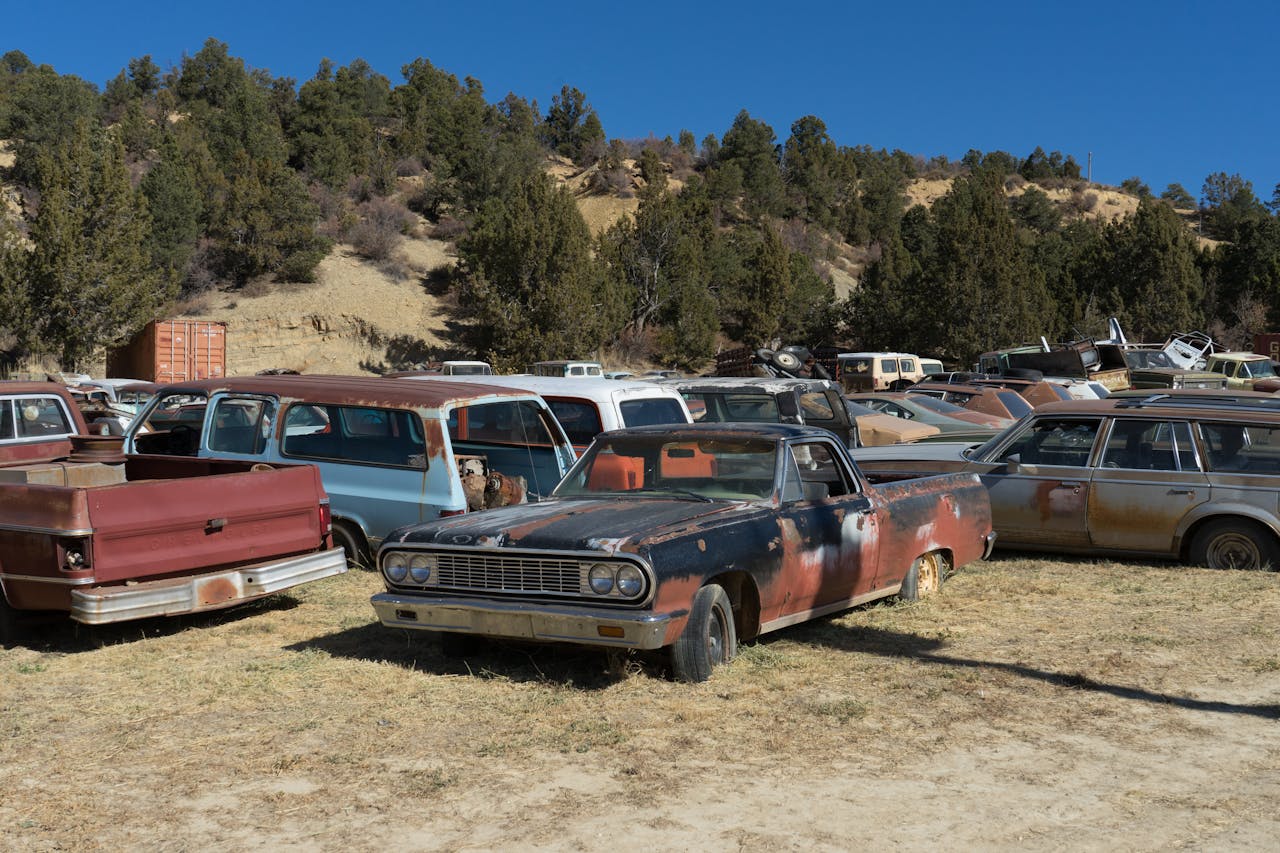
{"x": 748, "y": 383}
{"x": 589, "y": 387}
{"x": 1238, "y": 356}
{"x": 362, "y": 390}
{"x": 19, "y": 386}
{"x": 727, "y": 430}
{"x": 1180, "y": 405}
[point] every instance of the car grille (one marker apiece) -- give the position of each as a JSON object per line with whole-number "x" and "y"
{"x": 491, "y": 572}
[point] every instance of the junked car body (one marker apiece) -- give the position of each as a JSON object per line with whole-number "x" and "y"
{"x": 390, "y": 452}
{"x": 686, "y": 538}
{"x": 1192, "y": 477}
{"x": 816, "y": 402}
{"x": 954, "y": 423}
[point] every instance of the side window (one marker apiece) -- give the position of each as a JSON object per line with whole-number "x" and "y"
{"x": 1238, "y": 447}
{"x": 507, "y": 422}
{"x": 391, "y": 437}
{"x": 793, "y": 489}
{"x": 815, "y": 406}
{"x": 1054, "y": 441}
{"x": 6, "y": 419}
{"x": 888, "y": 365}
{"x": 820, "y": 472}
{"x": 580, "y": 420}
{"x": 42, "y": 417}
{"x": 906, "y": 365}
{"x": 241, "y": 425}
{"x": 1149, "y": 446}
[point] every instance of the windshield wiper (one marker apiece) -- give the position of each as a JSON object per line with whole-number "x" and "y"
{"x": 687, "y": 493}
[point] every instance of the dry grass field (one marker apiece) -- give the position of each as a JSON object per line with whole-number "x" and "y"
{"x": 1033, "y": 704}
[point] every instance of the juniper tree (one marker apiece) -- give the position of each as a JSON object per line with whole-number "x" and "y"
{"x": 90, "y": 280}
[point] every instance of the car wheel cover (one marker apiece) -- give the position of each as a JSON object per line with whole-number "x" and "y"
{"x": 927, "y": 575}
{"x": 1234, "y": 550}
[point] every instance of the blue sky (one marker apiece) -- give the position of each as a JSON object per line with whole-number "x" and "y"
{"x": 1168, "y": 91}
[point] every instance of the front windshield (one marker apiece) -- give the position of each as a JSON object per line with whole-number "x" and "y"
{"x": 674, "y": 467}
{"x": 1260, "y": 369}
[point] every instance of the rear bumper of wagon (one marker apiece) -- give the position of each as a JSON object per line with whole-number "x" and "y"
{"x": 542, "y": 622}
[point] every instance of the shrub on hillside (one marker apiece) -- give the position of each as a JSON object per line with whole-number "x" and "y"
{"x": 380, "y": 228}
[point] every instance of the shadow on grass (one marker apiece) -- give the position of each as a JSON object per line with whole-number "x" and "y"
{"x": 56, "y": 633}
{"x": 565, "y": 664}
{"x": 893, "y": 644}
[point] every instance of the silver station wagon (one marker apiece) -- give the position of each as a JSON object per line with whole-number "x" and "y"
{"x": 1195, "y": 479}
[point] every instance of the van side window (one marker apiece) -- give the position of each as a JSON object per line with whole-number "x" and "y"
{"x": 391, "y": 437}
{"x": 514, "y": 422}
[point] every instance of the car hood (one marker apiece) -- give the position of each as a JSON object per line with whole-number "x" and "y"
{"x": 571, "y": 524}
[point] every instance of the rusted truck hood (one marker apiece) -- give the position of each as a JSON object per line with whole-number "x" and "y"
{"x": 603, "y": 524}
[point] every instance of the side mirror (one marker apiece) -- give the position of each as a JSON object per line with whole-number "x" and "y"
{"x": 1013, "y": 464}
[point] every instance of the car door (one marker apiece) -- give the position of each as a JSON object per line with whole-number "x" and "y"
{"x": 1039, "y": 482}
{"x": 1147, "y": 481}
{"x": 829, "y": 528}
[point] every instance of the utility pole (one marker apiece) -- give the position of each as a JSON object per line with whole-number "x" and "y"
{"x": 1089, "y": 173}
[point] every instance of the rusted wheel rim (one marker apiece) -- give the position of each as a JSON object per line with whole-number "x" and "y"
{"x": 1234, "y": 551}
{"x": 927, "y": 575}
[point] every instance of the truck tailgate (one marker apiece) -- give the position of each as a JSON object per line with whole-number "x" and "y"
{"x": 159, "y": 527}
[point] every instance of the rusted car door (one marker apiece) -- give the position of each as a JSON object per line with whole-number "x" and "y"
{"x": 1147, "y": 480}
{"x": 829, "y": 531}
{"x": 1039, "y": 482}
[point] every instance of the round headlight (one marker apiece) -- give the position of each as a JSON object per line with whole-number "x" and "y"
{"x": 420, "y": 566}
{"x": 395, "y": 566}
{"x": 630, "y": 581}
{"x": 601, "y": 579}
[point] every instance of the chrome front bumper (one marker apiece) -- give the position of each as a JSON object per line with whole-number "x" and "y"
{"x": 518, "y": 620}
{"x": 104, "y": 604}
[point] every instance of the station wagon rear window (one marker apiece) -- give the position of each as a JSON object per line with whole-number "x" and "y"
{"x": 506, "y": 422}
{"x": 579, "y": 420}
{"x": 734, "y": 408}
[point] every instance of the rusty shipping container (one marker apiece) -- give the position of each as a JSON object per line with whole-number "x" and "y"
{"x": 173, "y": 351}
{"x": 1268, "y": 344}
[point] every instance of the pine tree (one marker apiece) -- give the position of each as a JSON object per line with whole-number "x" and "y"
{"x": 532, "y": 287}
{"x": 749, "y": 145}
{"x": 981, "y": 290}
{"x": 1153, "y": 271}
{"x": 90, "y": 278}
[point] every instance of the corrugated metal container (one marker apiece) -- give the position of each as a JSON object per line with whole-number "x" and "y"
{"x": 1268, "y": 344}
{"x": 173, "y": 351}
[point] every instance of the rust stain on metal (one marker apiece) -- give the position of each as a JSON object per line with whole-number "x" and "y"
{"x": 702, "y": 545}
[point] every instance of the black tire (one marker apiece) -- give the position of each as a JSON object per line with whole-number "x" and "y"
{"x": 709, "y": 638}
{"x": 1235, "y": 543}
{"x": 924, "y": 578}
{"x": 351, "y": 540}
{"x": 900, "y": 384}
{"x": 8, "y": 623}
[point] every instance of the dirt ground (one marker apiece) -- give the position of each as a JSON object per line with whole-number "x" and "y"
{"x": 1033, "y": 704}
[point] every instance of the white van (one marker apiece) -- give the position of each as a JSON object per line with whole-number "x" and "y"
{"x": 568, "y": 368}
{"x": 587, "y": 407}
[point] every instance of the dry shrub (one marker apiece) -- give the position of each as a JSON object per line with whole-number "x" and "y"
{"x": 1082, "y": 202}
{"x": 200, "y": 276}
{"x": 380, "y": 228}
{"x": 1014, "y": 182}
{"x": 449, "y": 229}
{"x": 198, "y": 303}
{"x": 408, "y": 167}
{"x": 257, "y": 287}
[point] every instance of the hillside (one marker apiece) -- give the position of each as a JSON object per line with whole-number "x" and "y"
{"x": 358, "y": 318}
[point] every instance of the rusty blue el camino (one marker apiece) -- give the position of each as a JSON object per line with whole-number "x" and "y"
{"x": 689, "y": 538}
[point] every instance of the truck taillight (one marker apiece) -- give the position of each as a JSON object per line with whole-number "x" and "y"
{"x": 326, "y": 519}
{"x": 75, "y": 555}
{"x": 445, "y": 513}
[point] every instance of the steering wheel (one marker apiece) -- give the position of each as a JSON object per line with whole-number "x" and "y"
{"x": 182, "y": 440}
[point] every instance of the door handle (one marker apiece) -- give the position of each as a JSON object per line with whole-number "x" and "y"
{"x": 1066, "y": 484}
{"x": 1182, "y": 491}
